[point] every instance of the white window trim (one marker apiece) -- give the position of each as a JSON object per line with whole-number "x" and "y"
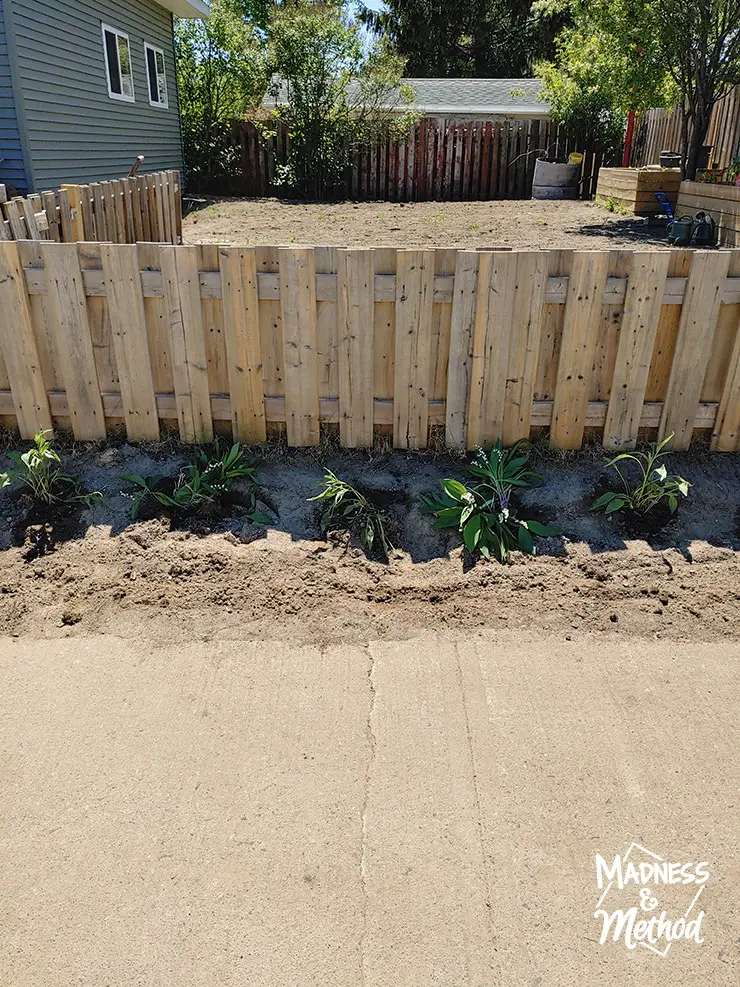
{"x": 119, "y": 34}
{"x": 166, "y": 104}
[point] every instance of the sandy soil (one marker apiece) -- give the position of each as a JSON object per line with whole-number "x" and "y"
{"x": 578, "y": 225}
{"x": 231, "y": 577}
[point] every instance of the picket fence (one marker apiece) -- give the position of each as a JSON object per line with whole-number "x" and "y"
{"x": 128, "y": 210}
{"x": 482, "y": 344}
{"x": 443, "y": 160}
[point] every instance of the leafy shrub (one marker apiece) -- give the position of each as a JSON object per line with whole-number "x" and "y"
{"x": 200, "y": 485}
{"x": 39, "y": 471}
{"x": 654, "y": 486}
{"x": 484, "y": 512}
{"x": 348, "y": 509}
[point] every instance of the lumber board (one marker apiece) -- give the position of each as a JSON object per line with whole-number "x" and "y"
{"x": 462, "y": 326}
{"x": 525, "y": 322}
{"x": 580, "y": 325}
{"x": 726, "y": 385}
{"x": 130, "y": 340}
{"x": 645, "y": 288}
{"x": 184, "y": 317}
{"x": 243, "y": 348}
{"x": 356, "y": 317}
{"x": 18, "y": 347}
{"x": 68, "y": 307}
{"x": 298, "y": 307}
{"x": 414, "y": 299}
{"x": 329, "y": 410}
{"x": 697, "y": 324}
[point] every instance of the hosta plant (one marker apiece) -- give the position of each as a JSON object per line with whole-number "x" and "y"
{"x": 654, "y": 484}
{"x": 484, "y": 512}
{"x": 348, "y": 509}
{"x": 200, "y": 485}
{"x": 39, "y": 470}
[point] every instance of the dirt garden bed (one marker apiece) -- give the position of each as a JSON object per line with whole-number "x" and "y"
{"x": 225, "y": 576}
{"x": 471, "y": 225}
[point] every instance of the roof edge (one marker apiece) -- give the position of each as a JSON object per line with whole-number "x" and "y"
{"x": 187, "y": 8}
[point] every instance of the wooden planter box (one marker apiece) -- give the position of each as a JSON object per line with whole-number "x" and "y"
{"x": 722, "y": 202}
{"x": 634, "y": 188}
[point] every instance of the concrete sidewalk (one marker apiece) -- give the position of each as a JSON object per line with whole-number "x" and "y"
{"x": 415, "y": 813}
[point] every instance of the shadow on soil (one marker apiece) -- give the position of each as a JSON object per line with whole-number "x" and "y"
{"x": 651, "y": 234}
{"x": 395, "y": 480}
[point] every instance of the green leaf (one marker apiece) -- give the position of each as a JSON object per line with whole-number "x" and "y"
{"x": 525, "y": 540}
{"x": 471, "y": 533}
{"x": 137, "y": 480}
{"x": 603, "y": 500}
{"x": 544, "y": 530}
{"x": 616, "y": 505}
{"x": 454, "y": 489}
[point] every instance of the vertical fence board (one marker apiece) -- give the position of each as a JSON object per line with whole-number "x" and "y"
{"x": 645, "y": 287}
{"x": 585, "y": 295}
{"x": 179, "y": 266}
{"x": 325, "y": 261}
{"x": 414, "y": 299}
{"x": 240, "y": 302}
{"x": 18, "y": 347}
{"x": 68, "y": 305}
{"x": 524, "y": 342}
{"x": 726, "y": 432}
{"x": 157, "y": 324}
{"x": 462, "y": 326}
{"x": 131, "y": 345}
{"x": 356, "y": 294}
{"x": 298, "y": 305}
{"x": 699, "y": 314}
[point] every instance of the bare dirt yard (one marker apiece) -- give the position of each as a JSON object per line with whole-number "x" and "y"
{"x": 577, "y": 225}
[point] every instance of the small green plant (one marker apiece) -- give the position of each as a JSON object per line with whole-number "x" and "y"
{"x": 484, "y": 512}
{"x": 39, "y": 471}
{"x": 200, "y": 485}
{"x": 655, "y": 483}
{"x": 346, "y": 508}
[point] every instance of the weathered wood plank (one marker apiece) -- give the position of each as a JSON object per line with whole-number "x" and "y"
{"x": 525, "y": 321}
{"x": 414, "y": 299}
{"x": 68, "y": 308}
{"x": 693, "y": 344}
{"x": 130, "y": 340}
{"x": 18, "y": 347}
{"x": 243, "y": 348}
{"x": 580, "y": 328}
{"x": 356, "y": 315}
{"x": 179, "y": 268}
{"x": 298, "y": 307}
{"x": 645, "y": 287}
{"x": 462, "y": 327}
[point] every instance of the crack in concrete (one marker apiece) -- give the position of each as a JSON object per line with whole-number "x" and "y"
{"x": 372, "y": 749}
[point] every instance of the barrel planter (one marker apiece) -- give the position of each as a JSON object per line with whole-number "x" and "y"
{"x": 556, "y": 181}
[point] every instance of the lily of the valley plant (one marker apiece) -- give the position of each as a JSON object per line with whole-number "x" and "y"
{"x": 485, "y": 511}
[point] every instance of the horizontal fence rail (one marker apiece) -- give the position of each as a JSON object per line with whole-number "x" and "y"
{"x": 443, "y": 160}
{"x": 481, "y": 344}
{"x": 128, "y": 210}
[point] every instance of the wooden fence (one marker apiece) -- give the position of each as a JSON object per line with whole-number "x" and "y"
{"x": 481, "y": 344}
{"x": 722, "y": 202}
{"x": 145, "y": 208}
{"x": 660, "y": 130}
{"x": 440, "y": 160}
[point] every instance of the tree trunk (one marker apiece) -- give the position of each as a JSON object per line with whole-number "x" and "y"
{"x": 701, "y": 111}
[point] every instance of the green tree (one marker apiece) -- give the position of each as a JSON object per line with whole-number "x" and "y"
{"x": 222, "y": 72}
{"x": 483, "y": 38}
{"x": 334, "y": 90}
{"x": 632, "y": 54}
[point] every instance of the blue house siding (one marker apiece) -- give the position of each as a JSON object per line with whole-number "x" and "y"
{"x": 12, "y": 170}
{"x": 74, "y": 131}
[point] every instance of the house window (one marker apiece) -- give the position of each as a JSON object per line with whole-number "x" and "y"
{"x": 156, "y": 75}
{"x": 118, "y": 64}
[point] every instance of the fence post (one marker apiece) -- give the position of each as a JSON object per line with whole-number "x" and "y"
{"x": 75, "y": 204}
